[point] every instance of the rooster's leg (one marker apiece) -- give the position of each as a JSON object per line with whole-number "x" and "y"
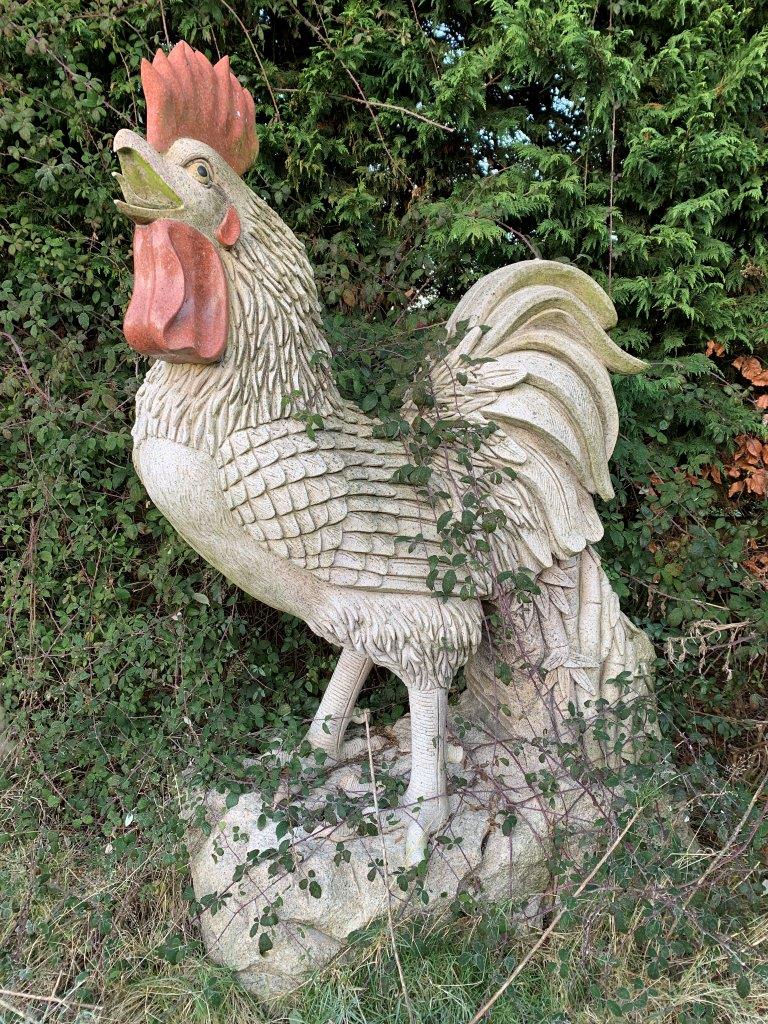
{"x": 426, "y": 800}
{"x": 332, "y": 717}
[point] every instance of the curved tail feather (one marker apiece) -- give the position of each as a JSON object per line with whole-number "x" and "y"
{"x": 532, "y": 356}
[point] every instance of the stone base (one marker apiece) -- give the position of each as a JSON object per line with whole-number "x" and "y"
{"x": 315, "y": 925}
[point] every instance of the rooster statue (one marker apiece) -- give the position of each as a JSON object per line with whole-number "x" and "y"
{"x": 315, "y": 521}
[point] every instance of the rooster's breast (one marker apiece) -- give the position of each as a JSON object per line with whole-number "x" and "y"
{"x": 408, "y": 633}
{"x": 183, "y": 484}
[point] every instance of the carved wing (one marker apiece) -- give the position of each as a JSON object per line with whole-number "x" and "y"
{"x": 328, "y": 503}
{"x": 532, "y": 356}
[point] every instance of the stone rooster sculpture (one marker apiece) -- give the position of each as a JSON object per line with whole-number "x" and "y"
{"x": 314, "y": 521}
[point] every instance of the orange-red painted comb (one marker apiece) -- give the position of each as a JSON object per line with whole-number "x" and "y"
{"x": 188, "y": 97}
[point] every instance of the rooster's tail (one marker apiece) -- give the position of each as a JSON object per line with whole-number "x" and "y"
{"x": 530, "y": 354}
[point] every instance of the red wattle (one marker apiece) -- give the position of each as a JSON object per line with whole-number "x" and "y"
{"x": 228, "y": 231}
{"x": 178, "y": 310}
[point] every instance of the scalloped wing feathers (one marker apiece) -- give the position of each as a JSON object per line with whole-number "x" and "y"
{"x": 328, "y": 503}
{"x": 536, "y": 358}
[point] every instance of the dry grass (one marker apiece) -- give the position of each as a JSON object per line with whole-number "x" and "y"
{"x": 63, "y": 961}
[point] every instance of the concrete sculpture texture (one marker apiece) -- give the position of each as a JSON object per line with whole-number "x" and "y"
{"x": 315, "y": 522}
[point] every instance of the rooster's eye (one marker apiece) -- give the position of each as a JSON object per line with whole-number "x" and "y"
{"x": 200, "y": 171}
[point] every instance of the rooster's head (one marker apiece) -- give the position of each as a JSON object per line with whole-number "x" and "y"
{"x": 182, "y": 187}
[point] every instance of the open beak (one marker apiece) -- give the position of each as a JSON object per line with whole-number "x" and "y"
{"x": 146, "y": 193}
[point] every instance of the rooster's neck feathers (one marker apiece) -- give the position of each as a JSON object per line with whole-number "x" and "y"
{"x": 277, "y": 356}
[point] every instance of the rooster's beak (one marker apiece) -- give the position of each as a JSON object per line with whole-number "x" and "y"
{"x": 147, "y": 194}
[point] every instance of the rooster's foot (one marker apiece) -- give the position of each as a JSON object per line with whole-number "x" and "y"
{"x": 420, "y": 817}
{"x": 348, "y": 750}
{"x": 428, "y": 819}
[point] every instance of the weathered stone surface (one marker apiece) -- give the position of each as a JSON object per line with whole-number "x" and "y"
{"x": 311, "y": 931}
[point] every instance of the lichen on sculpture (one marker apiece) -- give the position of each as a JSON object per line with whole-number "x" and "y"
{"x": 318, "y": 522}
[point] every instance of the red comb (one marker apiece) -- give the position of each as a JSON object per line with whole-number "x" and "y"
{"x": 187, "y": 97}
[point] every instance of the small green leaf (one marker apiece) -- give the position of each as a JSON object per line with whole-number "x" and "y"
{"x": 444, "y": 520}
{"x": 508, "y": 824}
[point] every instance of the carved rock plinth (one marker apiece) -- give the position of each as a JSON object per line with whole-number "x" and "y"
{"x": 481, "y": 852}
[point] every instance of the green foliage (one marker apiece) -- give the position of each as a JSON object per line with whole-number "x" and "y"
{"x": 413, "y": 146}
{"x": 493, "y": 131}
{"x": 132, "y": 950}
